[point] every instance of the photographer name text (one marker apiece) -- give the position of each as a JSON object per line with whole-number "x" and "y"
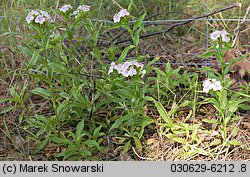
{"x": 54, "y": 168}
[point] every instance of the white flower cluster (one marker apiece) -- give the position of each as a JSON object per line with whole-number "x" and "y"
{"x": 127, "y": 68}
{"x": 65, "y": 8}
{"x": 80, "y": 8}
{"x": 122, "y": 13}
{"x": 211, "y": 84}
{"x": 217, "y": 34}
{"x": 39, "y": 16}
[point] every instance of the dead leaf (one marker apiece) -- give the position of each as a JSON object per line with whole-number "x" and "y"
{"x": 241, "y": 67}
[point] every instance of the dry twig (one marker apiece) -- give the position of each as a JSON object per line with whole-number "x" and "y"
{"x": 182, "y": 23}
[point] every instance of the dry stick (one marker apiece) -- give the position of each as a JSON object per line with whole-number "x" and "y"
{"x": 166, "y": 13}
{"x": 143, "y": 158}
{"x": 148, "y": 23}
{"x": 117, "y": 4}
{"x": 183, "y": 23}
{"x": 239, "y": 25}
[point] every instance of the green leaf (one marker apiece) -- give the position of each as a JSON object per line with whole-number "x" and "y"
{"x": 120, "y": 82}
{"x": 148, "y": 98}
{"x": 131, "y": 5}
{"x": 5, "y": 110}
{"x": 124, "y": 53}
{"x": 61, "y": 109}
{"x": 168, "y": 68}
{"x": 136, "y": 37}
{"x": 138, "y": 22}
{"x": 59, "y": 140}
{"x": 175, "y": 138}
{"x": 185, "y": 103}
{"x": 215, "y": 142}
{"x": 44, "y": 123}
{"x": 40, "y": 146}
{"x": 232, "y": 106}
{"x": 41, "y": 118}
{"x": 42, "y": 129}
{"x": 42, "y": 92}
{"x": 127, "y": 146}
{"x": 2, "y": 99}
{"x": 137, "y": 142}
{"x": 91, "y": 143}
{"x": 152, "y": 61}
{"x": 97, "y": 133}
{"x": 199, "y": 150}
{"x": 223, "y": 99}
{"x": 79, "y": 128}
{"x": 67, "y": 153}
{"x": 119, "y": 121}
{"x": 34, "y": 58}
{"x": 163, "y": 113}
{"x": 85, "y": 153}
{"x": 235, "y": 143}
{"x": 143, "y": 121}
{"x": 223, "y": 133}
{"x": 208, "y": 69}
{"x": 26, "y": 51}
{"x": 65, "y": 95}
{"x": 47, "y": 43}
{"x": 14, "y": 94}
{"x": 212, "y": 121}
{"x": 207, "y": 54}
{"x": 160, "y": 72}
{"x": 125, "y": 93}
{"x": 245, "y": 107}
{"x": 58, "y": 67}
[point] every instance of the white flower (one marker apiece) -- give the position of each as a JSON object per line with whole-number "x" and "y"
{"x": 126, "y": 65}
{"x": 224, "y": 36}
{"x": 116, "y": 18}
{"x": 143, "y": 72}
{"x": 127, "y": 68}
{"x": 211, "y": 84}
{"x": 39, "y": 16}
{"x": 34, "y": 12}
{"x": 206, "y": 86}
{"x": 84, "y": 8}
{"x": 40, "y": 19}
{"x": 76, "y": 12}
{"x": 132, "y": 71}
{"x": 216, "y": 85}
{"x": 122, "y": 13}
{"x": 112, "y": 67}
{"x": 217, "y": 34}
{"x": 65, "y": 8}
{"x": 139, "y": 65}
{"x": 29, "y": 18}
{"x": 44, "y": 13}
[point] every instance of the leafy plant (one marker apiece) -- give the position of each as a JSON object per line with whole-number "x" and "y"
{"x": 225, "y": 101}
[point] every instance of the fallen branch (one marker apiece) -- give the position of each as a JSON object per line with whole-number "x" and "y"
{"x": 237, "y": 29}
{"x": 146, "y": 23}
{"x": 182, "y": 23}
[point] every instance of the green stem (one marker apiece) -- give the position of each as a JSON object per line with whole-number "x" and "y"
{"x": 195, "y": 97}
